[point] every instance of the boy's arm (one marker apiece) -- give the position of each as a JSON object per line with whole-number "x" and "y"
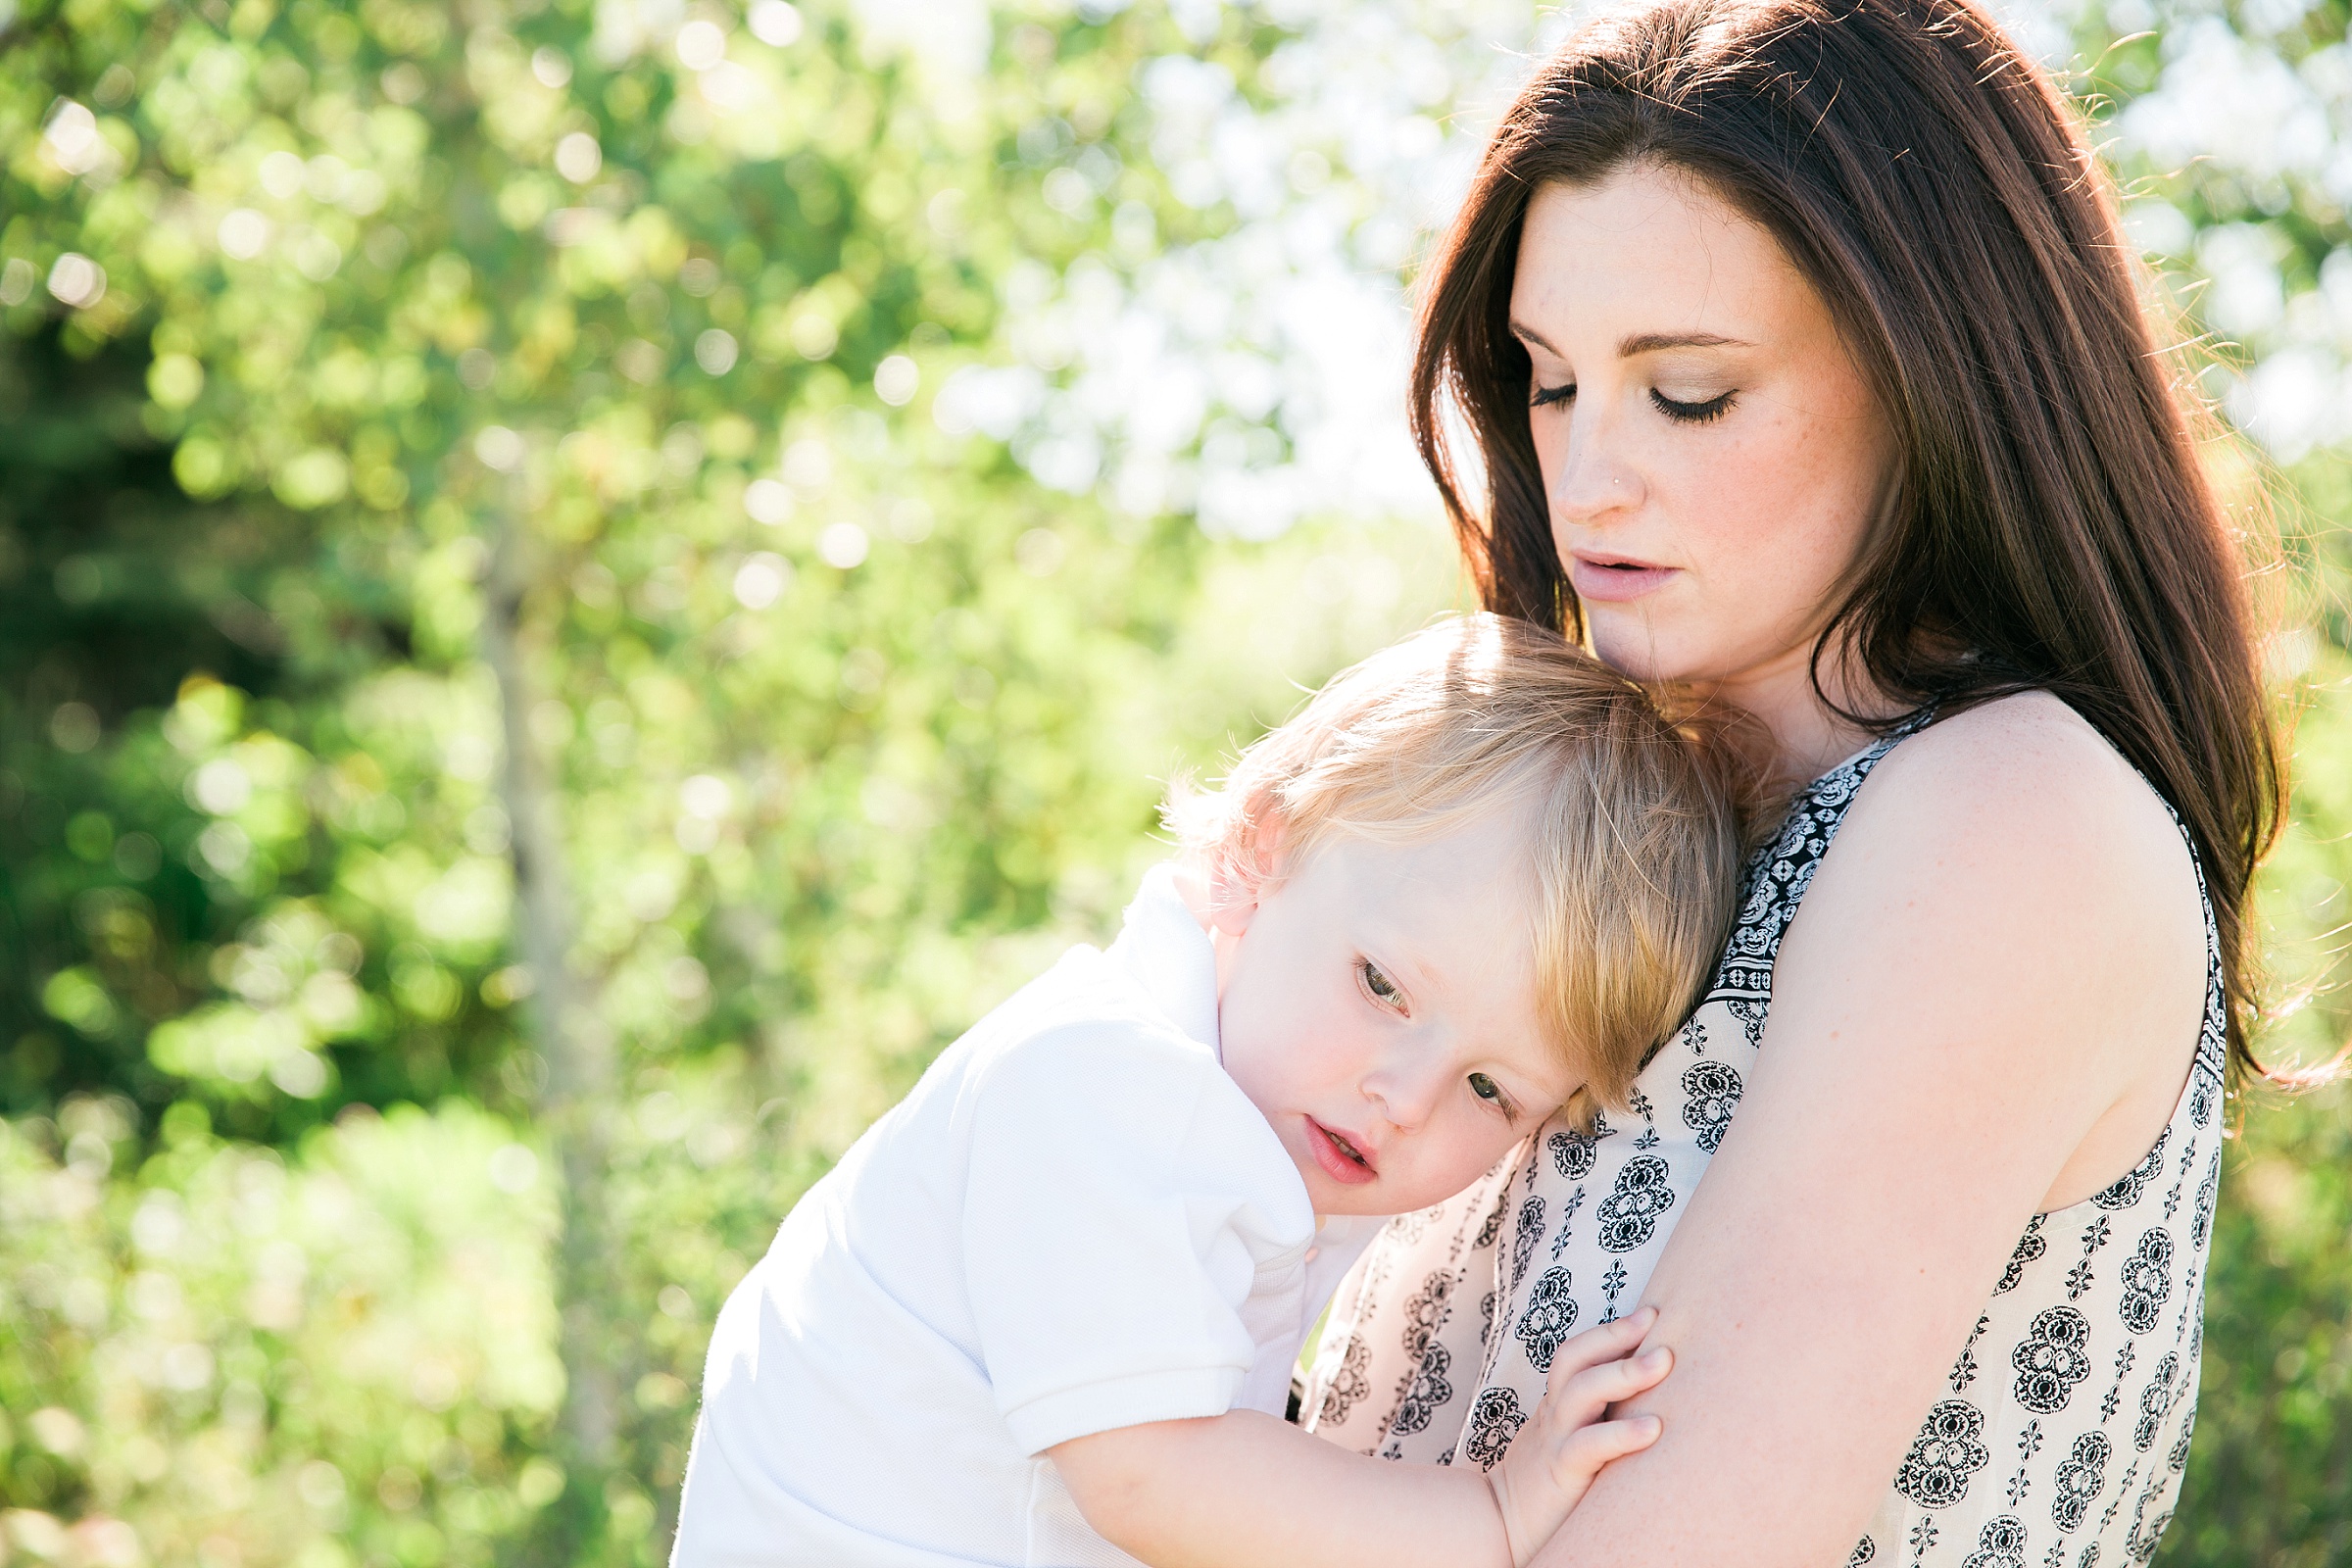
{"x": 1245, "y": 1488}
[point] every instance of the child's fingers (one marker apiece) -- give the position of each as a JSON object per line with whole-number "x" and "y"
{"x": 1585, "y": 1398}
{"x": 1609, "y": 1341}
{"x": 1590, "y": 1448}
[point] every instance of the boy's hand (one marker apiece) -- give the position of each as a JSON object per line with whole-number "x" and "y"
{"x": 1552, "y": 1461}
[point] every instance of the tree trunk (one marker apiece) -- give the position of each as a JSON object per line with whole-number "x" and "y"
{"x": 582, "y": 1072}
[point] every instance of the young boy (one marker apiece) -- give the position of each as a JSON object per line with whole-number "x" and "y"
{"x": 1046, "y": 1310}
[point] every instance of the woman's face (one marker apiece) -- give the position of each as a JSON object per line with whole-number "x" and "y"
{"x": 1713, "y": 459}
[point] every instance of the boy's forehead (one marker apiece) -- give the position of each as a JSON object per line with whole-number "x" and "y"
{"x": 1457, "y": 916}
{"x": 1480, "y": 868}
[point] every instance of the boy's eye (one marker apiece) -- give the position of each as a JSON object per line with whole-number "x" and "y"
{"x": 1379, "y": 984}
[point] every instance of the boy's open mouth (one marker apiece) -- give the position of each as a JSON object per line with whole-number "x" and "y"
{"x": 1340, "y": 1158}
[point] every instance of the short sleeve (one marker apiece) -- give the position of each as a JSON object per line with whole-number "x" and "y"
{"x": 1122, "y": 1195}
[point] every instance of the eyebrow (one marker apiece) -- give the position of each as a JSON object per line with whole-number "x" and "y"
{"x": 1643, "y": 342}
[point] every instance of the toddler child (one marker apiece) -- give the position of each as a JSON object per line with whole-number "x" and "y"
{"x": 1046, "y": 1310}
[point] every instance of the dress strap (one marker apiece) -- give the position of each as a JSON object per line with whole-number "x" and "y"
{"x": 1774, "y": 881}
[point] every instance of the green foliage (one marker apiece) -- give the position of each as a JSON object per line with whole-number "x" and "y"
{"x": 2272, "y": 1464}
{"x": 746, "y": 376}
{"x": 324, "y": 1356}
{"x": 2252, "y": 244}
{"x": 422, "y": 334}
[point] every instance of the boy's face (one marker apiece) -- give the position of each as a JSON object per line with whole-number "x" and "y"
{"x": 1378, "y": 1006}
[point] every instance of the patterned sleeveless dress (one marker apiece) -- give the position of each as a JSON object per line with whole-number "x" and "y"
{"x": 2059, "y": 1439}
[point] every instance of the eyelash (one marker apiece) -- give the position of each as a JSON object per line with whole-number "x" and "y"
{"x": 1706, "y": 412}
{"x": 1501, "y": 1102}
{"x": 1378, "y": 987}
{"x": 1369, "y": 975}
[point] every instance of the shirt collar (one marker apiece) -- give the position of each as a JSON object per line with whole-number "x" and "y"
{"x": 1169, "y": 956}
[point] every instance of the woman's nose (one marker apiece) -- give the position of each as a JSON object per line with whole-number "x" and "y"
{"x": 1590, "y": 476}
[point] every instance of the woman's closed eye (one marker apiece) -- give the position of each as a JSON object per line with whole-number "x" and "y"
{"x": 1704, "y": 412}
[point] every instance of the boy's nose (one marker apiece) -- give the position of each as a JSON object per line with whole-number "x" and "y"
{"x": 1406, "y": 1097}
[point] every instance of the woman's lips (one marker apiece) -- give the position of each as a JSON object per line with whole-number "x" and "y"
{"x": 1615, "y": 581}
{"x": 1331, "y": 1153}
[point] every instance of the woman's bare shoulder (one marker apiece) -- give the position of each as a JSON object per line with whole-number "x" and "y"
{"x": 2044, "y": 906}
{"x": 2026, "y": 786}
{"x": 2028, "y": 738}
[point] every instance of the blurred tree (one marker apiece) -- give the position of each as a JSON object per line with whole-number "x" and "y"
{"x": 2232, "y": 128}
{"x": 556, "y": 386}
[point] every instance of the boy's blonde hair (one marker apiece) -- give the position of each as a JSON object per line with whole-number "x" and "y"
{"x": 1631, "y": 829}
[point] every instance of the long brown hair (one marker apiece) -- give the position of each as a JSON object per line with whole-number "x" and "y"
{"x": 2054, "y": 527}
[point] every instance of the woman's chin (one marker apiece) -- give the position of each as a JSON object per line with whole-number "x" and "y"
{"x": 1662, "y": 656}
{"x": 1631, "y": 646}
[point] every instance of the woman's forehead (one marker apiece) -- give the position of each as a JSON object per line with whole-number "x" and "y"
{"x": 1650, "y": 259}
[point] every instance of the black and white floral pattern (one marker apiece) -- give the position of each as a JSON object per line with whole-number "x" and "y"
{"x": 1425, "y": 1390}
{"x": 2001, "y": 1543}
{"x": 1495, "y": 1420}
{"x": 1946, "y": 1456}
{"x": 1572, "y": 1153}
{"x": 2081, "y": 1363}
{"x": 1629, "y": 1216}
{"x": 2146, "y": 1279}
{"x": 1347, "y": 1384}
{"x": 2051, "y": 1360}
{"x": 2207, "y": 1190}
{"x": 1713, "y": 1091}
{"x": 1525, "y": 1238}
{"x": 2029, "y": 1249}
{"x": 2129, "y": 1186}
{"x": 1493, "y": 1225}
{"x": 1550, "y": 1318}
{"x": 2079, "y": 1481}
{"x": 2155, "y": 1404}
{"x": 1425, "y": 1310}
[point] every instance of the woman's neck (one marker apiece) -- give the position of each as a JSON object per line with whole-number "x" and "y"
{"x": 1807, "y": 736}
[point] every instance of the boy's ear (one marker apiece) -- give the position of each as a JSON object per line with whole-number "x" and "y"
{"x": 1230, "y": 907}
{"x": 1234, "y": 893}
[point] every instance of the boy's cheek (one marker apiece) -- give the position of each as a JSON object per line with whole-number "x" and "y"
{"x": 1470, "y": 1156}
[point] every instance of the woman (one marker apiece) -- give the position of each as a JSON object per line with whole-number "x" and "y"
{"x": 1801, "y": 368}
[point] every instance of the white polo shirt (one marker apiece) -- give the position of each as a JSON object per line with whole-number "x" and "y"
{"x": 1076, "y": 1221}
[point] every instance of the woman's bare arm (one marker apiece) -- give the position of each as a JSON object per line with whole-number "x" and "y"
{"x": 1987, "y": 1007}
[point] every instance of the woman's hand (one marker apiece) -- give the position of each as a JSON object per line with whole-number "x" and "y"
{"x": 1566, "y": 1442}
